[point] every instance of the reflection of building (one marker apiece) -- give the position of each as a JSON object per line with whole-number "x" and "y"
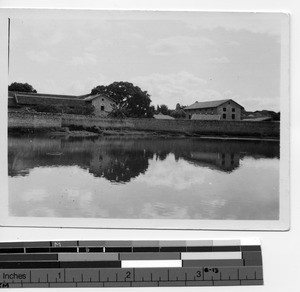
{"x": 120, "y": 160}
{"x": 221, "y": 161}
{"x": 102, "y": 103}
{"x": 227, "y": 110}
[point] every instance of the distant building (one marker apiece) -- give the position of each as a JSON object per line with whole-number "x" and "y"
{"x": 227, "y": 110}
{"x": 161, "y": 116}
{"x": 102, "y": 103}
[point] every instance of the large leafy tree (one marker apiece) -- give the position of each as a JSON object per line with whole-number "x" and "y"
{"x": 21, "y": 87}
{"x": 163, "y": 109}
{"x": 131, "y": 100}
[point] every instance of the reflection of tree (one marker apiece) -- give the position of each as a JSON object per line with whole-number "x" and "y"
{"x": 120, "y": 160}
{"x": 121, "y": 165}
{"x": 162, "y": 155}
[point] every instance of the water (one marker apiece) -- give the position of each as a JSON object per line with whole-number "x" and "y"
{"x": 181, "y": 178}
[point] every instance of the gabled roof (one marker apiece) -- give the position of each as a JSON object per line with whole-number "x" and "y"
{"x": 92, "y": 97}
{"x": 161, "y": 116}
{"x": 46, "y": 95}
{"x": 208, "y": 104}
{"x": 28, "y": 98}
{"x": 25, "y": 98}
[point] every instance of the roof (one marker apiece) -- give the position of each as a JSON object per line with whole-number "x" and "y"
{"x": 92, "y": 97}
{"x": 28, "y": 98}
{"x": 161, "y": 116}
{"x": 34, "y": 100}
{"x": 46, "y": 95}
{"x": 205, "y": 117}
{"x": 208, "y": 104}
{"x": 259, "y": 119}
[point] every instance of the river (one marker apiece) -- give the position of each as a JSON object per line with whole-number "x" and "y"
{"x": 168, "y": 178}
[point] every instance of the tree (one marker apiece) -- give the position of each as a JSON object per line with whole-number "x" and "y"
{"x": 21, "y": 87}
{"x": 178, "y": 114}
{"x": 164, "y": 109}
{"x": 78, "y": 110}
{"x": 130, "y": 99}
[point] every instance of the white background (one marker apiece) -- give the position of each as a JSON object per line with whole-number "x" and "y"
{"x": 281, "y": 250}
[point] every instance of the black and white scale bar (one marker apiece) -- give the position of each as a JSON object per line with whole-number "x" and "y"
{"x": 130, "y": 263}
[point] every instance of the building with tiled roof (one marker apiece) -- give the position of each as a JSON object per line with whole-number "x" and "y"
{"x": 225, "y": 109}
{"x": 161, "y": 116}
{"x": 103, "y": 104}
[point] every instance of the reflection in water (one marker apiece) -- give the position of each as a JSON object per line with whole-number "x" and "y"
{"x": 143, "y": 178}
{"x": 119, "y": 160}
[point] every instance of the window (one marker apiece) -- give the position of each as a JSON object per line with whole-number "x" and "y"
{"x": 102, "y": 107}
{"x": 102, "y": 99}
{"x": 233, "y": 116}
{"x": 224, "y": 116}
{"x": 233, "y": 110}
{"x": 224, "y": 109}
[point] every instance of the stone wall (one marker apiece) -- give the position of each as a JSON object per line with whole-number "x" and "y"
{"x": 220, "y": 128}
{"x": 234, "y": 128}
{"x": 33, "y": 121}
{"x": 231, "y": 128}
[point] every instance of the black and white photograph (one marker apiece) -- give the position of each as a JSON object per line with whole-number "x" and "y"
{"x": 147, "y": 119}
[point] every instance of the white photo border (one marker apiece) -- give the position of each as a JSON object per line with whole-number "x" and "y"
{"x": 5, "y": 220}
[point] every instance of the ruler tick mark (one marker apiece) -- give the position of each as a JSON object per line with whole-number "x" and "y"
{"x": 38, "y": 277}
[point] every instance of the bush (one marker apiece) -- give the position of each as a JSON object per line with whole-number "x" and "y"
{"x": 178, "y": 114}
{"x": 21, "y": 87}
{"x": 79, "y": 110}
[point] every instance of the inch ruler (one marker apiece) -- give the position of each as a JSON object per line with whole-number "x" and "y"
{"x": 130, "y": 263}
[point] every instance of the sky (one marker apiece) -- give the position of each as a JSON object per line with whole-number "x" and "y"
{"x": 177, "y": 57}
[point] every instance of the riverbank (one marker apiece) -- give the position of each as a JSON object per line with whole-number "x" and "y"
{"x": 114, "y": 134}
{"x": 80, "y": 126}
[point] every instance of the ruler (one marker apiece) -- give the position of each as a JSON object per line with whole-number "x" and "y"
{"x": 130, "y": 263}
